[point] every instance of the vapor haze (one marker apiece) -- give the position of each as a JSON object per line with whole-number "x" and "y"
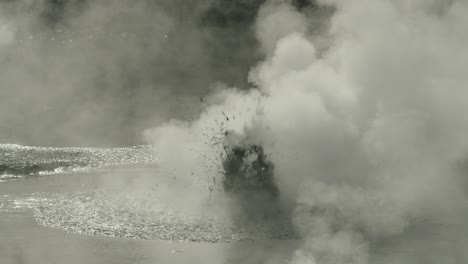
{"x": 99, "y": 73}
{"x": 358, "y": 104}
{"x": 366, "y": 132}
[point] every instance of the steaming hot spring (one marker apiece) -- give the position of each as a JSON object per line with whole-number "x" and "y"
{"x": 234, "y": 131}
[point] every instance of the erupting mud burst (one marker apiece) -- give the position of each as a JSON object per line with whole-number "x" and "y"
{"x": 248, "y": 179}
{"x": 246, "y": 169}
{"x": 364, "y": 133}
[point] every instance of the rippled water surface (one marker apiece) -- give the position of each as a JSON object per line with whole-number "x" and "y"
{"x": 77, "y": 217}
{"x": 24, "y": 240}
{"x": 57, "y": 206}
{"x": 18, "y": 161}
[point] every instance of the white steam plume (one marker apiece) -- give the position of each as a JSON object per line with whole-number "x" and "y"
{"x": 365, "y": 136}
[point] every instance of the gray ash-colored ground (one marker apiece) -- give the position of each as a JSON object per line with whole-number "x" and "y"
{"x": 18, "y": 161}
{"x": 99, "y": 213}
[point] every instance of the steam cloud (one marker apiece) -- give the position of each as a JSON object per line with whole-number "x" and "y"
{"x": 79, "y": 72}
{"x": 361, "y": 113}
{"x": 359, "y": 104}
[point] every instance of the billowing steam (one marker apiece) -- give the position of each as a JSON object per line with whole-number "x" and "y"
{"x": 348, "y": 114}
{"x": 362, "y": 117}
{"x": 81, "y": 72}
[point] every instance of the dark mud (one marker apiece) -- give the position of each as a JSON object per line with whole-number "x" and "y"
{"x": 249, "y": 180}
